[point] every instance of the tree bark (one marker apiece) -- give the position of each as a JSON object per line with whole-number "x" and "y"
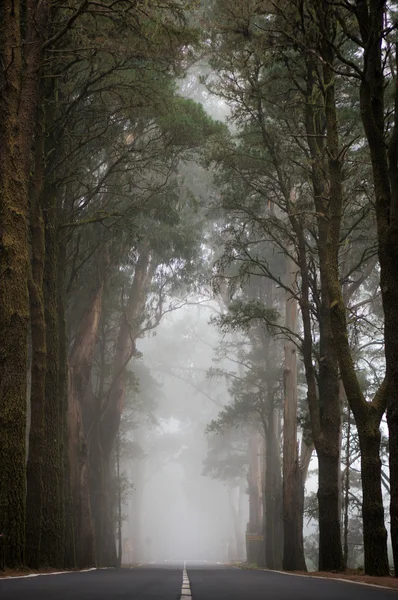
{"x": 80, "y": 365}
{"x": 293, "y": 485}
{"x": 34, "y": 497}
{"x": 68, "y": 557}
{"x": 21, "y": 61}
{"x": 367, "y": 415}
{"x": 325, "y": 412}
{"x": 383, "y": 146}
{"x": 125, "y": 349}
{"x": 51, "y": 549}
{"x": 255, "y": 548}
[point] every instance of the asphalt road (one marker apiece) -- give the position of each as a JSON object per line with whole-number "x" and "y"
{"x": 164, "y": 582}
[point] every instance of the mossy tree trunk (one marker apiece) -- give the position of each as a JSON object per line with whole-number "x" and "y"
{"x": 34, "y": 468}
{"x": 21, "y": 40}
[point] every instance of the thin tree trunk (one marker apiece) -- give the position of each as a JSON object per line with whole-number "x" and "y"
{"x": 254, "y": 546}
{"x": 119, "y": 504}
{"x": 51, "y": 549}
{"x": 293, "y": 488}
{"x": 68, "y": 518}
{"x": 347, "y": 487}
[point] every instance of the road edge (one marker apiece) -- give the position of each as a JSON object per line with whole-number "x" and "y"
{"x": 341, "y": 579}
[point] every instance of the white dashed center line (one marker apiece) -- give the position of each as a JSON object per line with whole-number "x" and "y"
{"x": 186, "y": 588}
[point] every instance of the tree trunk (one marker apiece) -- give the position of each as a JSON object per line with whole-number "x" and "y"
{"x": 119, "y": 504}
{"x": 347, "y": 488}
{"x": 367, "y": 414}
{"x": 293, "y": 487}
{"x": 80, "y": 365}
{"x": 34, "y": 496}
{"x": 51, "y": 549}
{"x": 374, "y": 531}
{"x": 330, "y": 557}
{"x": 273, "y": 554}
{"x": 326, "y": 413}
{"x": 68, "y": 524}
{"x": 125, "y": 349}
{"x": 254, "y": 546}
{"x": 383, "y": 145}
{"x": 21, "y": 62}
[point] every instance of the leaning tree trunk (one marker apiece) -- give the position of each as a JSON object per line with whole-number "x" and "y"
{"x": 108, "y": 419}
{"x": 80, "y": 365}
{"x": 125, "y": 349}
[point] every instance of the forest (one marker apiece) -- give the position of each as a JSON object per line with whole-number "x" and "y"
{"x": 199, "y": 267}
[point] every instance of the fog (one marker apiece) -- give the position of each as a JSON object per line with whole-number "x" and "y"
{"x": 174, "y": 511}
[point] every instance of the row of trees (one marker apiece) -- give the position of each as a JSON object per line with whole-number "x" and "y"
{"x": 97, "y": 229}
{"x": 100, "y": 236}
{"x": 307, "y": 196}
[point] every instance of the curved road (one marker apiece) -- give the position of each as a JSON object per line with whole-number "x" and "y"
{"x": 199, "y": 581}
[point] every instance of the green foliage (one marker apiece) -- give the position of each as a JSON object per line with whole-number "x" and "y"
{"x": 244, "y": 314}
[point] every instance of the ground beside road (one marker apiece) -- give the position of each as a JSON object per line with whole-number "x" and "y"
{"x": 390, "y": 582}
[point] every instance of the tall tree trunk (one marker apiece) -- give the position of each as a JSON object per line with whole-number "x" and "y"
{"x": 80, "y": 366}
{"x": 293, "y": 485}
{"x": 119, "y": 504}
{"x": 21, "y": 62}
{"x": 254, "y": 545}
{"x": 51, "y": 549}
{"x": 125, "y": 349}
{"x": 68, "y": 518}
{"x": 383, "y": 145}
{"x": 111, "y": 410}
{"x": 325, "y": 413}
{"x": 367, "y": 415}
{"x": 34, "y": 496}
{"x": 273, "y": 554}
{"x": 347, "y": 487}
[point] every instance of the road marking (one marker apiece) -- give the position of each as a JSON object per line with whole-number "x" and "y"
{"x": 186, "y": 588}
{"x": 46, "y": 574}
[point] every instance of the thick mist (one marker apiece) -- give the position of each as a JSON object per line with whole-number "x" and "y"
{"x": 183, "y": 513}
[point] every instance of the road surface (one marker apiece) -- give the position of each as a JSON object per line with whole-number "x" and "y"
{"x": 199, "y": 581}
